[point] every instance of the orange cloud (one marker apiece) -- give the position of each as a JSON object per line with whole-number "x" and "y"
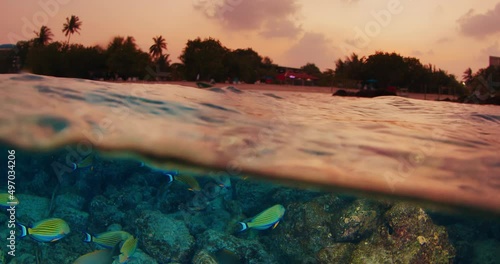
{"x": 480, "y": 25}
{"x": 270, "y": 18}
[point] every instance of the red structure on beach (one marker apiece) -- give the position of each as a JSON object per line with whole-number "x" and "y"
{"x": 293, "y": 75}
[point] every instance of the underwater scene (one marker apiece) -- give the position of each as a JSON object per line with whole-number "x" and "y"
{"x": 219, "y": 218}
{"x": 97, "y": 172}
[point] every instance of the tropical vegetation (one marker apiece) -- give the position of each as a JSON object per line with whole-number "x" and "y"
{"x": 208, "y": 59}
{"x": 71, "y": 26}
{"x": 43, "y": 37}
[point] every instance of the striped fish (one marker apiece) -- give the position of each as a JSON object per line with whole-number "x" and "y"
{"x": 48, "y": 230}
{"x": 265, "y": 219}
{"x": 6, "y": 202}
{"x": 127, "y": 250}
{"x": 102, "y": 256}
{"x": 84, "y": 163}
{"x": 107, "y": 239}
{"x": 188, "y": 180}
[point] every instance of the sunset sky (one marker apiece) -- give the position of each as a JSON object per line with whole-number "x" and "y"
{"x": 452, "y": 34}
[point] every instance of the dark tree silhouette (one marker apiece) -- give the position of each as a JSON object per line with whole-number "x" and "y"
{"x": 156, "y": 50}
{"x": 43, "y": 37}
{"x": 204, "y": 57}
{"x": 312, "y": 69}
{"x": 71, "y": 26}
{"x": 467, "y": 76}
{"x": 125, "y": 60}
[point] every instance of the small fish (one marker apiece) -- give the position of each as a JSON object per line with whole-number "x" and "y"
{"x": 170, "y": 175}
{"x": 173, "y": 175}
{"x": 190, "y": 181}
{"x": 6, "y": 201}
{"x": 186, "y": 179}
{"x": 127, "y": 250}
{"x": 107, "y": 239}
{"x": 102, "y": 256}
{"x": 223, "y": 181}
{"x": 48, "y": 230}
{"x": 84, "y": 163}
{"x": 265, "y": 219}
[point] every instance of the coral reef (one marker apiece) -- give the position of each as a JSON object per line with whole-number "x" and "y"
{"x": 407, "y": 236}
{"x": 357, "y": 221}
{"x": 249, "y": 251}
{"x": 176, "y": 225}
{"x": 336, "y": 253}
{"x": 305, "y": 228}
{"x": 164, "y": 238}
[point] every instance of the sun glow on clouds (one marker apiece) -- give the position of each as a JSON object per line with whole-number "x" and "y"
{"x": 271, "y": 18}
{"x": 481, "y": 25}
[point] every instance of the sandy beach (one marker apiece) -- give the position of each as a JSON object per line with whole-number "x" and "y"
{"x": 309, "y": 89}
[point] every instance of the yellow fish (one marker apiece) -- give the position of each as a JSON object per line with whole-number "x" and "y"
{"x": 107, "y": 239}
{"x": 84, "y": 163}
{"x": 127, "y": 250}
{"x": 265, "y": 219}
{"x": 48, "y": 230}
{"x": 102, "y": 256}
{"x": 188, "y": 180}
{"x": 7, "y": 200}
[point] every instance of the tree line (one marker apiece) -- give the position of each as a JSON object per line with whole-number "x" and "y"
{"x": 208, "y": 59}
{"x": 391, "y": 69}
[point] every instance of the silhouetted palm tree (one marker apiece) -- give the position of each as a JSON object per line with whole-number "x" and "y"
{"x": 156, "y": 50}
{"x": 467, "y": 76}
{"x": 354, "y": 66}
{"x": 44, "y": 36}
{"x": 71, "y": 26}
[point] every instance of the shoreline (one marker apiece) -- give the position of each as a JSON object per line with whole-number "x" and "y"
{"x": 304, "y": 89}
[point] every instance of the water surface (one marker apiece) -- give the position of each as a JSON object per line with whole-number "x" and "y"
{"x": 440, "y": 152}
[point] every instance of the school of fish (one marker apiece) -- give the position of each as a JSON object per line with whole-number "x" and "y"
{"x": 120, "y": 246}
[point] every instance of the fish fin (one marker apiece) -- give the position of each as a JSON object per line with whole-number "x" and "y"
{"x": 24, "y": 230}
{"x": 275, "y": 225}
{"x": 88, "y": 237}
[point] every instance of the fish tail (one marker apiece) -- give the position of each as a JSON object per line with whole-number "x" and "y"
{"x": 244, "y": 226}
{"x": 88, "y": 237}
{"x": 24, "y": 230}
{"x": 170, "y": 177}
{"x": 74, "y": 166}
